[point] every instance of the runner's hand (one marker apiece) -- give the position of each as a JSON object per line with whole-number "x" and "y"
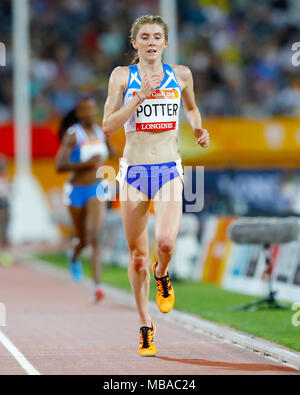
{"x": 156, "y": 79}
{"x": 202, "y": 136}
{"x": 149, "y": 84}
{"x": 95, "y": 161}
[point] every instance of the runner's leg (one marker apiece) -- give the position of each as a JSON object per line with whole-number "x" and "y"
{"x": 168, "y": 210}
{"x": 135, "y": 216}
{"x": 95, "y": 219}
{"x": 78, "y": 218}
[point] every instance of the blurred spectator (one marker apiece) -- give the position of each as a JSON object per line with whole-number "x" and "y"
{"x": 239, "y": 52}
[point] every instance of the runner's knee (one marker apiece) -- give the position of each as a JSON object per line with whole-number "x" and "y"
{"x": 139, "y": 260}
{"x": 165, "y": 245}
{"x": 92, "y": 237}
{"x": 81, "y": 243}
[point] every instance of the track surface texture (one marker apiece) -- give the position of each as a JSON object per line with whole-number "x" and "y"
{"x": 58, "y": 331}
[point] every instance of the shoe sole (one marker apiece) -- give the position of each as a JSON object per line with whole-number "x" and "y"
{"x": 96, "y": 300}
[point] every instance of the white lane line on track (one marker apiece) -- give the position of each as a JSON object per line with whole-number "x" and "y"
{"x": 26, "y": 365}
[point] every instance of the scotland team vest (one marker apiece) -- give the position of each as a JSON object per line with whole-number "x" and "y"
{"x": 159, "y": 111}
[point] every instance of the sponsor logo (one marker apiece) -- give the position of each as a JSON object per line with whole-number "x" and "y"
{"x": 150, "y": 126}
{"x": 163, "y": 94}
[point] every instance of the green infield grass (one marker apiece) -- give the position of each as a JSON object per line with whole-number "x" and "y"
{"x": 212, "y": 303}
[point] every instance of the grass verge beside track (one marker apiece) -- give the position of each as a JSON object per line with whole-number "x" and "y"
{"x": 212, "y": 303}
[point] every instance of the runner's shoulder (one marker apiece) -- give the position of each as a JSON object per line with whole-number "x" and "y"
{"x": 69, "y": 138}
{"x": 119, "y": 77}
{"x": 182, "y": 72}
{"x": 120, "y": 73}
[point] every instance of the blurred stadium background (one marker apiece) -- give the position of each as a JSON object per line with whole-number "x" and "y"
{"x": 248, "y": 92}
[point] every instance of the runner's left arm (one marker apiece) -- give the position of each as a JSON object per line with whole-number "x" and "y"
{"x": 190, "y": 107}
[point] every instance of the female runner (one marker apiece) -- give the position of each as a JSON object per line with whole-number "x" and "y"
{"x": 145, "y": 98}
{"x": 83, "y": 151}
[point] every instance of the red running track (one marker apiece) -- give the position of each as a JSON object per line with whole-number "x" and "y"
{"x": 53, "y": 325}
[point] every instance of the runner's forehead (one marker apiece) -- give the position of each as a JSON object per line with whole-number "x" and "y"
{"x": 150, "y": 29}
{"x": 87, "y": 104}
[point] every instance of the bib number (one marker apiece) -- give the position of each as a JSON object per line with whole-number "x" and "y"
{"x": 159, "y": 112}
{"x": 92, "y": 148}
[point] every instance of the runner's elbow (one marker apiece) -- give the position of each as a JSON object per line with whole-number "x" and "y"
{"x": 60, "y": 167}
{"x": 107, "y": 129}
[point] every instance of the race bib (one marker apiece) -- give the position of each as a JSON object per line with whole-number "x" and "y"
{"x": 159, "y": 112}
{"x": 91, "y": 148}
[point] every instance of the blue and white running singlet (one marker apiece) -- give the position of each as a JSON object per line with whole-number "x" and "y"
{"x": 86, "y": 148}
{"x": 159, "y": 111}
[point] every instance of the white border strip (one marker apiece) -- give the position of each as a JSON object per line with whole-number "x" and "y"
{"x": 26, "y": 365}
{"x": 265, "y": 348}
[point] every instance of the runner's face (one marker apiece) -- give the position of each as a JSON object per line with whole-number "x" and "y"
{"x": 87, "y": 112}
{"x": 150, "y": 42}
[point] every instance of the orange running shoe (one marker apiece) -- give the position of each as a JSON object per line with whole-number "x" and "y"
{"x": 147, "y": 347}
{"x": 165, "y": 297}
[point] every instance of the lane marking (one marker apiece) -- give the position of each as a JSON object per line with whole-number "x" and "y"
{"x": 26, "y": 365}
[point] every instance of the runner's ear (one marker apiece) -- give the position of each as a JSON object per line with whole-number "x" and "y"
{"x": 133, "y": 43}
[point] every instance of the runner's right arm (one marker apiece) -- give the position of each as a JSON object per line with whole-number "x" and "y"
{"x": 115, "y": 116}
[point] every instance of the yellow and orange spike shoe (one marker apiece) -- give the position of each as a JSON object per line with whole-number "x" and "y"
{"x": 147, "y": 347}
{"x": 165, "y": 297}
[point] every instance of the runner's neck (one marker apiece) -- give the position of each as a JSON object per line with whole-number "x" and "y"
{"x": 151, "y": 69}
